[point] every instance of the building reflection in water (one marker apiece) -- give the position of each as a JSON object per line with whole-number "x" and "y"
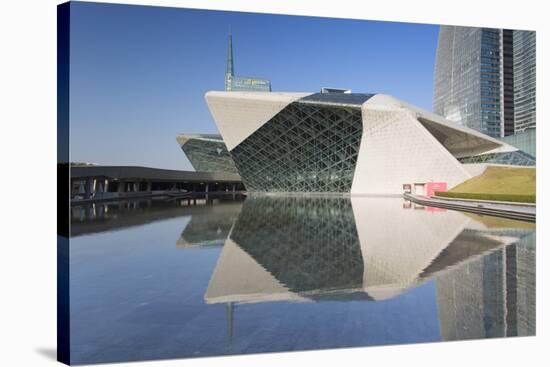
{"x": 493, "y": 296}
{"x": 364, "y": 248}
{"x": 210, "y": 227}
{"x": 334, "y": 248}
{"x": 211, "y": 216}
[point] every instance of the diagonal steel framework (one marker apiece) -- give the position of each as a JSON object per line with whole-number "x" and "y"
{"x": 208, "y": 156}
{"x": 516, "y": 158}
{"x": 304, "y": 148}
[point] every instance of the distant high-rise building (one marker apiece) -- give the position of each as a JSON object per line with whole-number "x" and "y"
{"x": 524, "y": 80}
{"x": 242, "y": 83}
{"x": 507, "y": 82}
{"x": 468, "y": 78}
{"x": 485, "y": 79}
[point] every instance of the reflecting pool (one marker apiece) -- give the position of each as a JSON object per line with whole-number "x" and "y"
{"x": 226, "y": 275}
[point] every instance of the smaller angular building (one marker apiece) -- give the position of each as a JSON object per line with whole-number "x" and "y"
{"x": 354, "y": 143}
{"x": 207, "y": 152}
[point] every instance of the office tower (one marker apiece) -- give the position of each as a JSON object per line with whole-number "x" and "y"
{"x": 485, "y": 79}
{"x": 468, "y": 76}
{"x": 524, "y": 80}
{"x": 507, "y": 82}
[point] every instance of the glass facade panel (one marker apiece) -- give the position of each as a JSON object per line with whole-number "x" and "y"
{"x": 338, "y": 98}
{"x": 525, "y": 79}
{"x": 516, "y": 158}
{"x": 525, "y": 141}
{"x": 304, "y": 148}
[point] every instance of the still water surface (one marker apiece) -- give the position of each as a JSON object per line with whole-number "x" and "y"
{"x": 226, "y": 275}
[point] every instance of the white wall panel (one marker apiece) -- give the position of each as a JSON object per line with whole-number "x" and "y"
{"x": 239, "y": 278}
{"x": 395, "y": 150}
{"x": 239, "y": 114}
{"x": 393, "y": 260}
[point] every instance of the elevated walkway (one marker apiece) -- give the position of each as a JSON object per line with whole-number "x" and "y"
{"x": 516, "y": 211}
{"x": 106, "y": 183}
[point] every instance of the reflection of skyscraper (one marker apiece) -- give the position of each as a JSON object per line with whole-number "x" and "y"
{"x": 485, "y": 79}
{"x": 526, "y": 286}
{"x": 242, "y": 83}
{"x": 493, "y": 296}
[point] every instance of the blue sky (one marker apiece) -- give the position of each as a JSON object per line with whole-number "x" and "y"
{"x": 139, "y": 73}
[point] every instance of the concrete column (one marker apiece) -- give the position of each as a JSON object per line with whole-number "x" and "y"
{"x": 149, "y": 186}
{"x": 82, "y": 188}
{"x": 100, "y": 211}
{"x": 229, "y": 314}
{"x": 233, "y": 187}
{"x": 82, "y": 213}
{"x": 206, "y": 189}
{"x": 89, "y": 188}
{"x": 90, "y": 212}
{"x": 121, "y": 188}
{"x": 100, "y": 186}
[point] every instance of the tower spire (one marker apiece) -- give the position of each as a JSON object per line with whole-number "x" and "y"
{"x": 229, "y": 71}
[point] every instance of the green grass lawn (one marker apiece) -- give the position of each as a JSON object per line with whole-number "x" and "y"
{"x": 498, "y": 183}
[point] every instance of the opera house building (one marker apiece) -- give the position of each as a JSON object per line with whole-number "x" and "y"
{"x": 354, "y": 143}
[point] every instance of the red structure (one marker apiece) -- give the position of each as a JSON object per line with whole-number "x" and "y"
{"x": 433, "y": 187}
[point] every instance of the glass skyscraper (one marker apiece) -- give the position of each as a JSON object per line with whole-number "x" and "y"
{"x": 468, "y": 76}
{"x": 524, "y": 80}
{"x": 484, "y": 78}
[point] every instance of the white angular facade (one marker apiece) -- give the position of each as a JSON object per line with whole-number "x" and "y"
{"x": 352, "y": 143}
